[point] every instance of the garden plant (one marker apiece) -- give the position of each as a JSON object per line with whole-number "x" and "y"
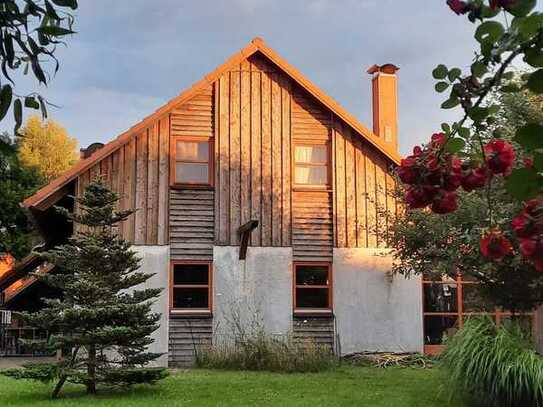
{"x": 103, "y": 322}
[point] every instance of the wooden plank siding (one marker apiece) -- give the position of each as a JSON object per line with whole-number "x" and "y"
{"x": 312, "y": 211}
{"x": 192, "y": 224}
{"x": 254, "y": 114}
{"x": 137, "y": 171}
{"x": 253, "y": 154}
{"x": 364, "y": 186}
{"x": 192, "y": 210}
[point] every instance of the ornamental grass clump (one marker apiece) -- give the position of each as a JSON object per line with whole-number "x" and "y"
{"x": 262, "y": 352}
{"x": 495, "y": 366}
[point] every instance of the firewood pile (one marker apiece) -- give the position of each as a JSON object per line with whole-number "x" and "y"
{"x": 388, "y": 359}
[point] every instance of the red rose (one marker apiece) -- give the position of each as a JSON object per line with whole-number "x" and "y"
{"x": 439, "y": 139}
{"x": 529, "y": 162}
{"x": 500, "y": 156}
{"x": 495, "y": 245}
{"x": 452, "y": 182}
{"x": 474, "y": 178}
{"x": 419, "y": 197}
{"x": 458, "y": 6}
{"x": 528, "y": 247}
{"x": 445, "y": 202}
{"x": 431, "y": 169}
{"x": 530, "y": 220}
{"x": 538, "y": 264}
{"x": 534, "y": 208}
{"x": 532, "y": 248}
{"x": 521, "y": 226}
{"x": 406, "y": 171}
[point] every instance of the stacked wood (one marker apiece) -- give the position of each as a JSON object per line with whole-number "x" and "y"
{"x": 389, "y": 359}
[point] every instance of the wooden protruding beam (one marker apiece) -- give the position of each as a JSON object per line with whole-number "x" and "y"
{"x": 244, "y": 232}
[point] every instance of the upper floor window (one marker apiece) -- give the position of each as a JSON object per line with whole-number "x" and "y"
{"x": 192, "y": 161}
{"x": 313, "y": 286}
{"x": 311, "y": 165}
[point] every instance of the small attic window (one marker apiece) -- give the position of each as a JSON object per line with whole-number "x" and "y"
{"x": 192, "y": 163}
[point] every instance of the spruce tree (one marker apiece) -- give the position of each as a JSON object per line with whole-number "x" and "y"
{"x": 103, "y": 322}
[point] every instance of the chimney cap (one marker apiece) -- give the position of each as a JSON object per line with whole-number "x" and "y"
{"x": 90, "y": 150}
{"x": 386, "y": 68}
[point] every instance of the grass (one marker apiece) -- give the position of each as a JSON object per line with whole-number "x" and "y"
{"x": 343, "y": 386}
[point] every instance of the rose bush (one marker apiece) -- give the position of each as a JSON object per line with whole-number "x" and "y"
{"x": 506, "y": 30}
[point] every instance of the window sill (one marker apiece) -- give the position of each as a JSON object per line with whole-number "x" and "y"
{"x": 205, "y": 187}
{"x": 311, "y": 189}
{"x": 191, "y": 313}
{"x": 313, "y": 312}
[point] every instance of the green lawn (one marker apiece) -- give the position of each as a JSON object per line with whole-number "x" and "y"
{"x": 345, "y": 386}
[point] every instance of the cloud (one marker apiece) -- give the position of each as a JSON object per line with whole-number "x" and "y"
{"x": 129, "y": 56}
{"x": 96, "y": 114}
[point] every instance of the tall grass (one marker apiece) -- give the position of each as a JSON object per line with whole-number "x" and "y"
{"x": 260, "y": 351}
{"x": 495, "y": 366}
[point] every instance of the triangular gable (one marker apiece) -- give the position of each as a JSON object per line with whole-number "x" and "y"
{"x": 257, "y": 44}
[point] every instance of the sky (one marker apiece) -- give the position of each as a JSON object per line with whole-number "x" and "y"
{"x": 131, "y": 56}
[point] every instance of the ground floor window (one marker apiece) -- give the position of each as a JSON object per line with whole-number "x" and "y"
{"x": 312, "y": 286}
{"x": 447, "y": 304}
{"x": 191, "y": 286}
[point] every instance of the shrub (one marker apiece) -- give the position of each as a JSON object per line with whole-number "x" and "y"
{"x": 496, "y": 366}
{"x": 260, "y": 351}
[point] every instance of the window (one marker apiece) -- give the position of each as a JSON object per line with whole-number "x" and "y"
{"x": 447, "y": 304}
{"x": 191, "y": 287}
{"x": 192, "y": 162}
{"x": 311, "y": 165}
{"x": 312, "y": 286}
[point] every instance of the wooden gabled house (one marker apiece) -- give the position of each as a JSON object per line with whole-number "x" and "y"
{"x": 259, "y": 195}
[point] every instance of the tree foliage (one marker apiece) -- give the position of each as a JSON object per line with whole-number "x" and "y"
{"x": 478, "y": 152}
{"x": 432, "y": 244}
{"x": 104, "y": 321}
{"x": 16, "y": 183}
{"x": 47, "y": 147}
{"x": 30, "y": 31}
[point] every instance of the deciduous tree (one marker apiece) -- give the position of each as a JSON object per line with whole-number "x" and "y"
{"x": 16, "y": 183}
{"x": 46, "y": 146}
{"x": 427, "y": 242}
{"x": 30, "y": 32}
{"x": 462, "y": 156}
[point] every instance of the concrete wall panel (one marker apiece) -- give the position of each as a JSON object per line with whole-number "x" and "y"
{"x": 155, "y": 259}
{"x": 375, "y": 311}
{"x": 254, "y": 292}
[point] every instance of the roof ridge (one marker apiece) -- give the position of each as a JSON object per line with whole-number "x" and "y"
{"x": 256, "y": 44}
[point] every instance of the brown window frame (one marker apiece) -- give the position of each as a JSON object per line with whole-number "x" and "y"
{"x": 327, "y": 164}
{"x": 329, "y": 287}
{"x": 460, "y": 314}
{"x": 210, "y": 162}
{"x": 206, "y": 310}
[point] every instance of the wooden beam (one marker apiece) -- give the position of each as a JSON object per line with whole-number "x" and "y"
{"x": 244, "y": 232}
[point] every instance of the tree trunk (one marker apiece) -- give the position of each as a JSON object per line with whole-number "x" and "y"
{"x": 91, "y": 370}
{"x": 64, "y": 377}
{"x": 58, "y": 387}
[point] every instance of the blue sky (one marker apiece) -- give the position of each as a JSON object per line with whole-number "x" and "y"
{"x": 131, "y": 56}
